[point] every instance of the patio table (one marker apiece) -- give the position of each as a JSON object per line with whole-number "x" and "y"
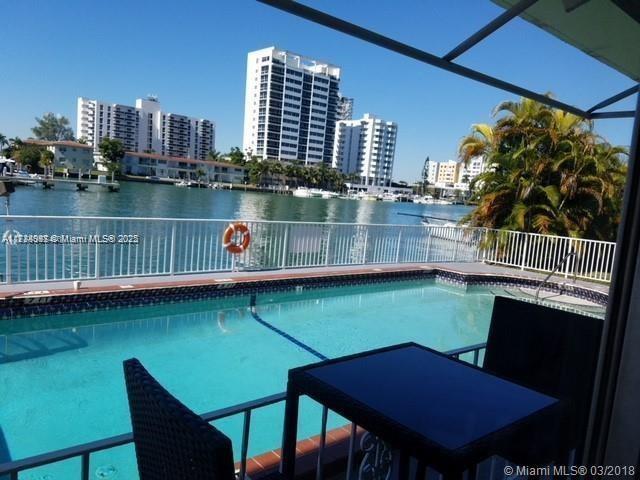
{"x": 443, "y": 412}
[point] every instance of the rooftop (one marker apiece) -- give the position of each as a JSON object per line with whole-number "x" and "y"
{"x": 158, "y": 156}
{"x": 57, "y": 143}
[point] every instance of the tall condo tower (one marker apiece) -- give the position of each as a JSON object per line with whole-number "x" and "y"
{"x": 290, "y": 107}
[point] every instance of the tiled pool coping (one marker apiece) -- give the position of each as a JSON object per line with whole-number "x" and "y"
{"x": 94, "y": 297}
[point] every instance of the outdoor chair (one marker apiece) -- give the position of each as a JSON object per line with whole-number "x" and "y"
{"x": 171, "y": 441}
{"x": 554, "y": 352}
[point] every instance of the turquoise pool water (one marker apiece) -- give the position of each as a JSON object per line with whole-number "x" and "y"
{"x": 61, "y": 377}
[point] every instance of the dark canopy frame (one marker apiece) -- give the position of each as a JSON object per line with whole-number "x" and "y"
{"x": 614, "y": 437}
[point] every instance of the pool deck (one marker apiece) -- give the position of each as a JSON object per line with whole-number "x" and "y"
{"x": 61, "y": 288}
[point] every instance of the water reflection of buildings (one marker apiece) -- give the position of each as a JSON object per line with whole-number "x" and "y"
{"x": 365, "y": 211}
{"x": 254, "y": 206}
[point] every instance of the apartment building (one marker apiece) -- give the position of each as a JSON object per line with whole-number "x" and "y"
{"x": 448, "y": 172}
{"x": 290, "y": 107}
{"x": 366, "y": 147}
{"x": 475, "y": 167}
{"x": 165, "y": 166}
{"x": 454, "y": 174}
{"x": 432, "y": 171}
{"x": 145, "y": 128}
{"x": 71, "y": 156}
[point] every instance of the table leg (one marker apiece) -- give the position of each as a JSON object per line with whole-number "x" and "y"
{"x": 421, "y": 470}
{"x": 289, "y": 435}
{"x": 403, "y": 465}
{"x": 453, "y": 476}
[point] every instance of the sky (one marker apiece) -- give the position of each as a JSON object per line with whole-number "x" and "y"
{"x": 192, "y": 55}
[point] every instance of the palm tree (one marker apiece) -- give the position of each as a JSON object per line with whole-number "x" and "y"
{"x": 200, "y": 174}
{"x": 291, "y": 172}
{"x": 547, "y": 172}
{"x": 46, "y": 162}
{"x": 214, "y": 156}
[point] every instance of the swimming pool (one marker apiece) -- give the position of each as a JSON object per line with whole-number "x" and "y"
{"x": 61, "y": 376}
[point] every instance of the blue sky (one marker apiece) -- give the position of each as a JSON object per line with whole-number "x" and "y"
{"x": 193, "y": 56}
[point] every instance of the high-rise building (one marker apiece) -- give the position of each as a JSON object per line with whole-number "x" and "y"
{"x": 366, "y": 147}
{"x": 290, "y": 107}
{"x": 145, "y": 128}
{"x": 345, "y": 108}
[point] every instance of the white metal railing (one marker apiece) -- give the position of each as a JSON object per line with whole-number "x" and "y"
{"x": 46, "y": 248}
{"x": 593, "y": 259}
{"x": 78, "y": 248}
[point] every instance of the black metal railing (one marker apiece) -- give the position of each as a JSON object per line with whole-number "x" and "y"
{"x": 85, "y": 450}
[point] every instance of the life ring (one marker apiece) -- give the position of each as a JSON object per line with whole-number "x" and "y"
{"x": 231, "y": 230}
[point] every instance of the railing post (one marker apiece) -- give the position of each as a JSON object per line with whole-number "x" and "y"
{"x": 7, "y": 258}
{"x": 285, "y": 248}
{"x": 244, "y": 448}
{"x": 523, "y": 254}
{"x": 323, "y": 439}
{"x": 172, "y": 250}
{"x": 366, "y": 240}
{"x": 566, "y": 265}
{"x": 398, "y": 247}
{"x": 84, "y": 472}
{"x": 455, "y": 239}
{"x": 484, "y": 237}
{"x": 326, "y": 254}
{"x": 430, "y": 233}
{"x": 96, "y": 262}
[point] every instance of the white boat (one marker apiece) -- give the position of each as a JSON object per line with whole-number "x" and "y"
{"x": 424, "y": 200}
{"x": 389, "y": 197}
{"x": 302, "y": 192}
{"x": 183, "y": 183}
{"x": 327, "y": 194}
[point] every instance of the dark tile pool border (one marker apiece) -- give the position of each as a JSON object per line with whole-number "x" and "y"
{"x": 20, "y": 307}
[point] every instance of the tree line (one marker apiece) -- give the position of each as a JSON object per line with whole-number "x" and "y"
{"x": 293, "y": 173}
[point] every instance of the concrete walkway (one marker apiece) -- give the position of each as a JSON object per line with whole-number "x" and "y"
{"x": 119, "y": 284}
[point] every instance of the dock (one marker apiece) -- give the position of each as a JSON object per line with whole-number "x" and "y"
{"x": 48, "y": 183}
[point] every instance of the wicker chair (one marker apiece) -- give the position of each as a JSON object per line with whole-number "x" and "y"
{"x": 171, "y": 441}
{"x": 554, "y": 352}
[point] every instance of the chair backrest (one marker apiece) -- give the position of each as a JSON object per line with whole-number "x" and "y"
{"x": 549, "y": 350}
{"x": 171, "y": 441}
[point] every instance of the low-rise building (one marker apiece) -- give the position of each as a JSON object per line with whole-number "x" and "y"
{"x": 162, "y": 166}
{"x": 71, "y": 156}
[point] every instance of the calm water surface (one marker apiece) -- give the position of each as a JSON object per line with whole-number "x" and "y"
{"x": 152, "y": 200}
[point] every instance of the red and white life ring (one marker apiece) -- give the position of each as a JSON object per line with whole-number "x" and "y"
{"x": 227, "y": 238}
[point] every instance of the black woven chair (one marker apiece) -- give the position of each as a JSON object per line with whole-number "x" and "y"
{"x": 554, "y": 352}
{"x": 171, "y": 441}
